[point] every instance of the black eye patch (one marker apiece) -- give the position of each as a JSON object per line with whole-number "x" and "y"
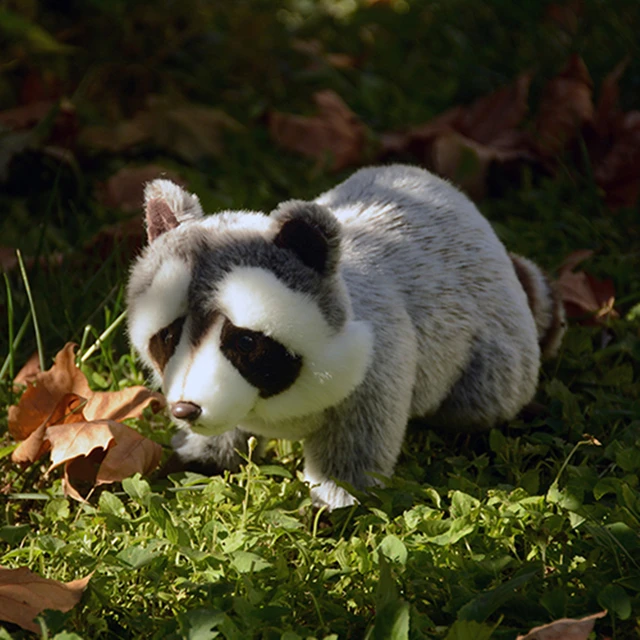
{"x": 163, "y": 344}
{"x": 263, "y": 362}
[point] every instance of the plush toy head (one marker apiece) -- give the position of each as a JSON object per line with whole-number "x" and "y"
{"x": 244, "y": 318}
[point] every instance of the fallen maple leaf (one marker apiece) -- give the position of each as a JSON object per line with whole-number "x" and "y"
{"x": 607, "y": 111}
{"x": 565, "y": 107}
{"x": 191, "y": 131}
{"x": 73, "y": 422}
{"x": 619, "y": 171}
{"x": 24, "y": 595}
{"x": 336, "y": 132}
{"x": 45, "y": 392}
{"x": 490, "y": 120}
{"x": 564, "y": 629}
{"x": 585, "y": 298}
{"x": 100, "y": 452}
{"x": 462, "y": 143}
{"x": 29, "y": 371}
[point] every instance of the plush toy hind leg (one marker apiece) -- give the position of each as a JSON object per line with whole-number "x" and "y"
{"x": 209, "y": 455}
{"x": 498, "y": 381}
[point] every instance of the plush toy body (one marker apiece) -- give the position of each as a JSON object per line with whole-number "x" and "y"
{"x": 335, "y": 321}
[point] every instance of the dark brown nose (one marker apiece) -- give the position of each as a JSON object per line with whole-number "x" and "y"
{"x": 185, "y": 410}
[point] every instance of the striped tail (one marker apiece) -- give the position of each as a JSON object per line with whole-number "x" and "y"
{"x": 545, "y": 303}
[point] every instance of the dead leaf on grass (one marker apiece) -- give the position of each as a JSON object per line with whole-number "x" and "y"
{"x": 565, "y": 629}
{"x": 132, "y": 453}
{"x": 335, "y": 133}
{"x": 463, "y": 142}
{"x": 565, "y": 107}
{"x": 191, "y": 131}
{"x": 607, "y": 111}
{"x": 24, "y": 595}
{"x": 45, "y": 392}
{"x": 99, "y": 452}
{"x": 80, "y": 427}
{"x": 618, "y": 173}
{"x": 29, "y": 371}
{"x": 121, "y": 405}
{"x": 585, "y": 298}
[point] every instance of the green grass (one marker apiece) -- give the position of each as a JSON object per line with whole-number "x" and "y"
{"x": 475, "y": 536}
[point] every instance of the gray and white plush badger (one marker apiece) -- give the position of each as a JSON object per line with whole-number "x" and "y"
{"x": 335, "y": 321}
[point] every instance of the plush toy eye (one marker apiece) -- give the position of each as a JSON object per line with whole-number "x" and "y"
{"x": 164, "y": 343}
{"x": 245, "y": 343}
{"x": 167, "y": 335}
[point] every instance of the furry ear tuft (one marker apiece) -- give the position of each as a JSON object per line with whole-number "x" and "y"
{"x": 166, "y": 206}
{"x": 311, "y": 232}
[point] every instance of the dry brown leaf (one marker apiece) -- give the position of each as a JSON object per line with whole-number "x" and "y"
{"x": 463, "y": 142}
{"x": 80, "y": 439}
{"x": 81, "y": 430}
{"x": 565, "y": 629}
{"x": 466, "y": 162}
{"x": 618, "y": 173}
{"x": 67, "y": 411}
{"x": 29, "y": 371}
{"x": 132, "y": 453}
{"x": 125, "y": 189}
{"x": 607, "y": 112}
{"x": 584, "y": 297}
{"x": 120, "y": 405}
{"x": 489, "y": 118}
{"x": 32, "y": 448}
{"x": 191, "y": 131}
{"x": 42, "y": 396}
{"x": 336, "y": 132}
{"x": 79, "y": 477}
{"x": 100, "y": 452}
{"x": 24, "y": 595}
{"x": 565, "y": 107}
{"x": 419, "y": 140}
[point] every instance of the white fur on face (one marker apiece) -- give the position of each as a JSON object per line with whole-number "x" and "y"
{"x": 162, "y": 303}
{"x": 333, "y": 364}
{"x": 205, "y": 377}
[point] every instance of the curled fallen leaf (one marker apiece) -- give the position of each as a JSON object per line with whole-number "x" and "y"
{"x": 565, "y": 107}
{"x": 463, "y": 142}
{"x": 191, "y": 131}
{"x": 24, "y": 595}
{"x": 585, "y": 298}
{"x": 29, "y": 371}
{"x": 335, "y": 133}
{"x": 81, "y": 428}
{"x": 618, "y": 173}
{"x": 99, "y": 452}
{"x": 565, "y": 629}
{"x": 45, "y": 392}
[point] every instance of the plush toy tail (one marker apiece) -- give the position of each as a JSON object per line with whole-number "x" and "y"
{"x": 545, "y": 303}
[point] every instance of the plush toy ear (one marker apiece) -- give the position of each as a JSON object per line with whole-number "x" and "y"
{"x": 310, "y": 231}
{"x": 167, "y": 205}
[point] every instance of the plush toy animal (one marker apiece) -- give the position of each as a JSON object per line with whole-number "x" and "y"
{"x": 336, "y": 321}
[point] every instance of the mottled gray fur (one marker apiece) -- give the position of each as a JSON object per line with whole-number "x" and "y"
{"x": 455, "y": 341}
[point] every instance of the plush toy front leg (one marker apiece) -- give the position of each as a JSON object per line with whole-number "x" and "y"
{"x": 349, "y": 447}
{"x": 210, "y": 455}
